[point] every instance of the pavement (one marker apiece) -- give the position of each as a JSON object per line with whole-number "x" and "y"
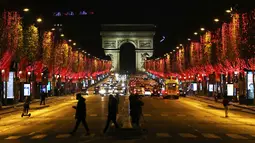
{"x": 211, "y": 100}
{"x": 183, "y": 120}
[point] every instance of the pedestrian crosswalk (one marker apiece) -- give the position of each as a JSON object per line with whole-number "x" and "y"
{"x": 213, "y": 136}
{"x": 149, "y": 115}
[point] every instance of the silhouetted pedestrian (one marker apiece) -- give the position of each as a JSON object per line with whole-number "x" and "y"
{"x": 80, "y": 115}
{"x": 137, "y": 111}
{"x": 26, "y": 105}
{"x": 226, "y": 104}
{"x": 112, "y": 113}
{"x": 43, "y": 95}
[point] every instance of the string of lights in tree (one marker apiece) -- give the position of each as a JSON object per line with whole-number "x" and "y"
{"x": 231, "y": 45}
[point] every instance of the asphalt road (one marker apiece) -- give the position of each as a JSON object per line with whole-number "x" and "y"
{"x": 183, "y": 120}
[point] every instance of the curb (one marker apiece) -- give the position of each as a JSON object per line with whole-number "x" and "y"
{"x": 40, "y": 107}
{"x": 197, "y": 98}
{"x": 243, "y": 107}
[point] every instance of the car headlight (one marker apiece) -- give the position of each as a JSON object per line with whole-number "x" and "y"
{"x": 102, "y": 91}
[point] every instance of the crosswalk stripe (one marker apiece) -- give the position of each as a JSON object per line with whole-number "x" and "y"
{"x": 13, "y": 137}
{"x": 146, "y": 115}
{"x": 236, "y": 136}
{"x": 211, "y": 136}
{"x": 163, "y": 135}
{"x": 181, "y": 115}
{"x": 63, "y": 136}
{"x": 187, "y": 135}
{"x": 164, "y": 115}
{"x": 93, "y": 115}
{"x": 39, "y": 136}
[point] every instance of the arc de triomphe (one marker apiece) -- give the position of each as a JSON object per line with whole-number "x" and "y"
{"x": 140, "y": 35}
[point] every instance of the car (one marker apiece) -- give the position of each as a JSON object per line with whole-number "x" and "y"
{"x": 182, "y": 93}
{"x": 147, "y": 92}
{"x": 156, "y": 92}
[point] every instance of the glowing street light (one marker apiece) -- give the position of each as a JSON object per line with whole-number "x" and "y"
{"x": 189, "y": 39}
{"x": 195, "y": 33}
{"x": 181, "y": 45}
{"x": 216, "y": 20}
{"x": 62, "y": 35}
{"x": 74, "y": 44}
{"x": 39, "y": 20}
{"x": 69, "y": 40}
{"x": 26, "y": 10}
{"x": 53, "y": 29}
{"x": 177, "y": 47}
{"x": 202, "y": 29}
{"x": 228, "y": 11}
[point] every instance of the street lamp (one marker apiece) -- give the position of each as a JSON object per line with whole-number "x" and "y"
{"x": 39, "y": 20}
{"x": 216, "y": 20}
{"x": 202, "y": 29}
{"x": 53, "y": 29}
{"x": 69, "y": 40}
{"x": 74, "y": 44}
{"x": 177, "y": 47}
{"x": 189, "y": 39}
{"x": 26, "y": 10}
{"x": 195, "y": 33}
{"x": 62, "y": 35}
{"x": 228, "y": 11}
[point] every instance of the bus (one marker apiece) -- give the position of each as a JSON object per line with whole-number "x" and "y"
{"x": 170, "y": 88}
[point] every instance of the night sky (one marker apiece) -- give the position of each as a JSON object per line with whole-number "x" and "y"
{"x": 176, "y": 20}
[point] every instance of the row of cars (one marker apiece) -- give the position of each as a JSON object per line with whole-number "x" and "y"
{"x": 112, "y": 86}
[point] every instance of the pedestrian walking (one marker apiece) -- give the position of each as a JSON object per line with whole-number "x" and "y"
{"x": 226, "y": 104}
{"x": 42, "y": 98}
{"x": 138, "y": 103}
{"x": 80, "y": 115}
{"x": 112, "y": 113}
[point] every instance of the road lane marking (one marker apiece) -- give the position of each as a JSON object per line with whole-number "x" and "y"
{"x": 236, "y": 136}
{"x": 164, "y": 135}
{"x": 211, "y": 136}
{"x": 187, "y": 135}
{"x": 93, "y": 115}
{"x": 40, "y": 136}
{"x": 13, "y": 137}
{"x": 32, "y": 133}
{"x": 147, "y": 115}
{"x": 164, "y": 115}
{"x": 63, "y": 136}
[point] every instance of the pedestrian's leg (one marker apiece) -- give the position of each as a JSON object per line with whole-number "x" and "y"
{"x": 226, "y": 111}
{"x": 85, "y": 124}
{"x": 41, "y": 102}
{"x": 138, "y": 121}
{"x": 78, "y": 121}
{"x": 27, "y": 110}
{"x": 107, "y": 124}
{"x": 115, "y": 123}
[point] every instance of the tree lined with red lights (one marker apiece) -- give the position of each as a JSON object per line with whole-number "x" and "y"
{"x": 23, "y": 45}
{"x": 226, "y": 49}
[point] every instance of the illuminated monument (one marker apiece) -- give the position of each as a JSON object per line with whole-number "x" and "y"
{"x": 140, "y": 35}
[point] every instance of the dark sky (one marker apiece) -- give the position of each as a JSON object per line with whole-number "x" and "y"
{"x": 175, "y": 19}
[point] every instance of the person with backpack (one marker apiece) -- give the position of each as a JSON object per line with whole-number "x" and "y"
{"x": 226, "y": 104}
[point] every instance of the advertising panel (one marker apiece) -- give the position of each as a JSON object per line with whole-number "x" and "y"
{"x": 230, "y": 88}
{"x": 210, "y": 87}
{"x": 27, "y": 90}
{"x": 10, "y": 91}
{"x": 250, "y": 87}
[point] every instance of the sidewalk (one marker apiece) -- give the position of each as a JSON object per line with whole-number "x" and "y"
{"x": 33, "y": 106}
{"x": 235, "y": 104}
